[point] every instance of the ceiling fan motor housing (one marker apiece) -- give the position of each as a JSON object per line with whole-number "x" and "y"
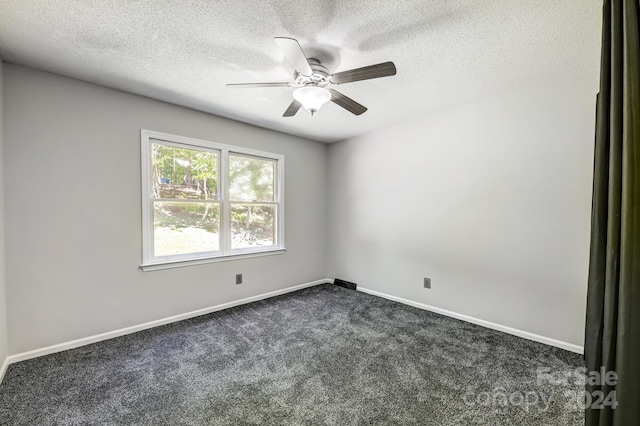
{"x": 319, "y": 78}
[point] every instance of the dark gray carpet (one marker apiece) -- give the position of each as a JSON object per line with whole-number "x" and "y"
{"x": 323, "y": 355}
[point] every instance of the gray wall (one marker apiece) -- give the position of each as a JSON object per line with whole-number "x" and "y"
{"x": 492, "y": 201}
{"x": 73, "y": 216}
{"x": 3, "y": 306}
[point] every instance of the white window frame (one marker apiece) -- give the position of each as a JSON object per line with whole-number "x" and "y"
{"x": 225, "y": 253}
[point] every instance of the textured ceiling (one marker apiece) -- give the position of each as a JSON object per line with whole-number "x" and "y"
{"x": 447, "y": 52}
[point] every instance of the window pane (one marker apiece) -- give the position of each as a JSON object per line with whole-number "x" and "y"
{"x": 251, "y": 179}
{"x": 180, "y": 228}
{"x": 253, "y": 225}
{"x": 184, "y": 173}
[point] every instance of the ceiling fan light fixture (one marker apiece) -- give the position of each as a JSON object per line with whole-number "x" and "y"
{"x": 310, "y": 78}
{"x": 312, "y": 97}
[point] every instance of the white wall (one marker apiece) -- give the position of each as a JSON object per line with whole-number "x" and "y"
{"x": 492, "y": 201}
{"x": 3, "y": 306}
{"x": 73, "y": 216}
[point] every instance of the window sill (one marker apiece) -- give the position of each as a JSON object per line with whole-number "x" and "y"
{"x": 181, "y": 263}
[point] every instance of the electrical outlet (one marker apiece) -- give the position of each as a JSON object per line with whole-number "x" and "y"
{"x": 238, "y": 278}
{"x": 427, "y": 283}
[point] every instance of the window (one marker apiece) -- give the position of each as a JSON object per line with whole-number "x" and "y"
{"x": 204, "y": 202}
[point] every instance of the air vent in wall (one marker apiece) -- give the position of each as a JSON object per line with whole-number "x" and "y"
{"x": 345, "y": 284}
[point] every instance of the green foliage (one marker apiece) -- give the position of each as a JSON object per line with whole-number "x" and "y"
{"x": 251, "y": 223}
{"x": 192, "y": 174}
{"x": 184, "y": 173}
{"x": 177, "y": 216}
{"x": 251, "y": 179}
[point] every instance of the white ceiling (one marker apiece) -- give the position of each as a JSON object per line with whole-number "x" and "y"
{"x": 447, "y": 52}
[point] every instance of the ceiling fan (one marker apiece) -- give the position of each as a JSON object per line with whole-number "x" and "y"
{"x": 311, "y": 79}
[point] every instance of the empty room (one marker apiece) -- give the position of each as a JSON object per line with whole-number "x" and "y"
{"x": 320, "y": 212}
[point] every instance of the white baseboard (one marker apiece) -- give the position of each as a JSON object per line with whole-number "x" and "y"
{"x": 4, "y": 367}
{"x": 128, "y": 330}
{"x": 509, "y": 330}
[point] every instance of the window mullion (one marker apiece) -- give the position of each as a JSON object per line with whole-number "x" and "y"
{"x": 186, "y": 200}
{"x": 278, "y": 197}
{"x": 256, "y": 203}
{"x": 225, "y": 231}
{"x": 147, "y": 202}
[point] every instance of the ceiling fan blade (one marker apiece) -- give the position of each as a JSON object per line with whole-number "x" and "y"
{"x": 384, "y": 69}
{"x": 346, "y": 102}
{"x": 293, "y": 109}
{"x": 295, "y": 55}
{"x": 240, "y": 85}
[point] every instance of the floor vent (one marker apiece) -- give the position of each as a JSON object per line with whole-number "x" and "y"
{"x": 345, "y": 284}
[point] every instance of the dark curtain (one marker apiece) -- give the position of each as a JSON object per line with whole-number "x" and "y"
{"x": 612, "y": 340}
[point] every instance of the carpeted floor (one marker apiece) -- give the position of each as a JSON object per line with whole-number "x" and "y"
{"x": 323, "y": 355}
